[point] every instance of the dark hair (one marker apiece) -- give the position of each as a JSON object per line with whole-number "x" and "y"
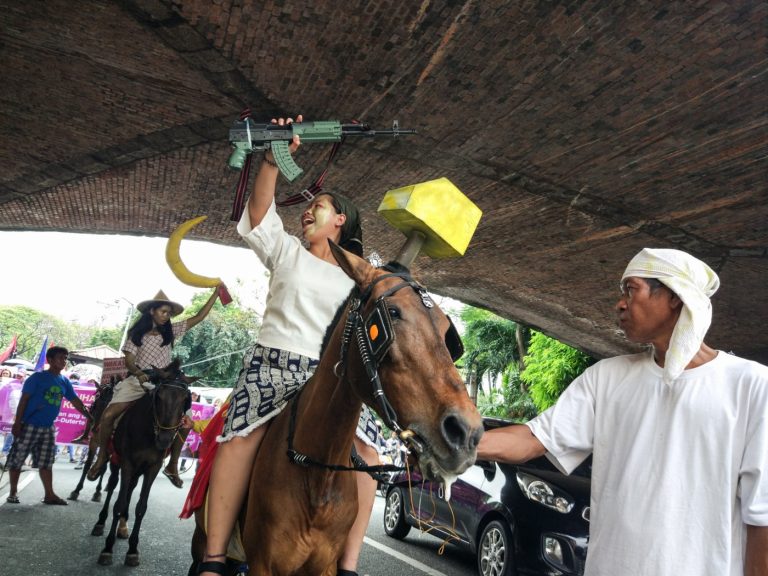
{"x": 351, "y": 232}
{"x": 54, "y": 351}
{"x": 144, "y": 324}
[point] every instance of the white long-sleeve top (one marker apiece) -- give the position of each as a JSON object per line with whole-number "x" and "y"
{"x": 304, "y": 291}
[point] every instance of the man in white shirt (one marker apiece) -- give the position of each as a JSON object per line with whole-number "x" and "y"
{"x": 679, "y": 436}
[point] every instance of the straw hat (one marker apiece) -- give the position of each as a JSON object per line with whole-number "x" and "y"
{"x": 160, "y": 299}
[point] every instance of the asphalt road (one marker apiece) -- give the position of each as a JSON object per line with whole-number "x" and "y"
{"x": 55, "y": 540}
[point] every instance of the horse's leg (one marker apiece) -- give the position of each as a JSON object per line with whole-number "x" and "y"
{"x": 76, "y": 492}
{"x": 114, "y": 476}
{"x": 122, "y": 524}
{"x": 121, "y": 504}
{"x": 132, "y": 556}
{"x": 97, "y": 493}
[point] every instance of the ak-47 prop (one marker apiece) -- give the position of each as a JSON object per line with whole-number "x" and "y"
{"x": 247, "y": 136}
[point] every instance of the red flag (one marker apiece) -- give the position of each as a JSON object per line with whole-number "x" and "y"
{"x": 8, "y": 352}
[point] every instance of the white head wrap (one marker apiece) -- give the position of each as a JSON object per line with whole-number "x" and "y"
{"x": 694, "y": 282}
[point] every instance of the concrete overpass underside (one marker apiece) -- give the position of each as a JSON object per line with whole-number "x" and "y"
{"x": 584, "y": 130}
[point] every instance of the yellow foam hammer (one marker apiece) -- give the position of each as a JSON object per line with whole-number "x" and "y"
{"x": 436, "y": 210}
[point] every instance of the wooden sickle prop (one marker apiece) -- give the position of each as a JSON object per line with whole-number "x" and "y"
{"x": 181, "y": 271}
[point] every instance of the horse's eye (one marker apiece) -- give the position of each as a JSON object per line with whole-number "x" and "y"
{"x": 394, "y": 313}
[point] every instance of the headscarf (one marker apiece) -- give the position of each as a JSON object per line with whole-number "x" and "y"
{"x": 351, "y": 232}
{"x": 694, "y": 283}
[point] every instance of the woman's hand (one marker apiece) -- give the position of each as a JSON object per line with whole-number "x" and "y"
{"x": 294, "y": 145}
{"x": 141, "y": 377}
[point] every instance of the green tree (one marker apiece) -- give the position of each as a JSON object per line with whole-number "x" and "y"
{"x": 32, "y": 326}
{"x": 109, "y": 336}
{"x": 493, "y": 353}
{"x": 550, "y": 367}
{"x": 213, "y": 350}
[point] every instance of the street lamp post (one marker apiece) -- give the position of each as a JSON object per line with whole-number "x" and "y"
{"x": 127, "y": 321}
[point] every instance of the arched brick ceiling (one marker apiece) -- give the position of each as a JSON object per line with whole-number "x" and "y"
{"x": 583, "y": 130}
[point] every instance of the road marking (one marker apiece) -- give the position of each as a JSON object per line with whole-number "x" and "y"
{"x": 22, "y": 484}
{"x": 408, "y": 560}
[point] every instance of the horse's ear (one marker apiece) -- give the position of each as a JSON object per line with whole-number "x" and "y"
{"x": 357, "y": 268}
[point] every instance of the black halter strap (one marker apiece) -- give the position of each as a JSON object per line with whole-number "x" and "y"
{"x": 355, "y": 328}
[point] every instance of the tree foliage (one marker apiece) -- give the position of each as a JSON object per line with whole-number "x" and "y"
{"x": 32, "y": 326}
{"x": 490, "y": 344}
{"x": 492, "y": 355}
{"x": 520, "y": 371}
{"x": 550, "y": 367}
{"x": 213, "y": 350}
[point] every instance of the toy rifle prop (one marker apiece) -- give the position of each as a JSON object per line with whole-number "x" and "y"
{"x": 245, "y": 136}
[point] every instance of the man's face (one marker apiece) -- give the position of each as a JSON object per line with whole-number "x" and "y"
{"x": 644, "y": 316}
{"x": 58, "y": 361}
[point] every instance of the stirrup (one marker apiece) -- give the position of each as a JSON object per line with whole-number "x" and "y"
{"x": 215, "y": 567}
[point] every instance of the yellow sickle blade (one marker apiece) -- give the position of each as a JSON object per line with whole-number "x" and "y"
{"x": 174, "y": 259}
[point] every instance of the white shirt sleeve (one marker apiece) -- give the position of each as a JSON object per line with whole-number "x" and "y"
{"x": 266, "y": 239}
{"x": 567, "y": 428}
{"x": 753, "y": 472}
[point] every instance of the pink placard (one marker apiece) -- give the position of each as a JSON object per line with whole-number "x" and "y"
{"x": 10, "y": 394}
{"x": 200, "y": 411}
{"x": 70, "y": 423}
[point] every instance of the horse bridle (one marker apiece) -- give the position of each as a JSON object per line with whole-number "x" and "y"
{"x": 157, "y": 427}
{"x": 374, "y": 336}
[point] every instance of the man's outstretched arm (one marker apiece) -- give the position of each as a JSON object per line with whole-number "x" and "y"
{"x": 514, "y": 444}
{"x": 756, "y": 561}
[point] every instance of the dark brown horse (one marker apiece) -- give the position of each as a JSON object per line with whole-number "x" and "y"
{"x": 389, "y": 348}
{"x": 142, "y": 439}
{"x": 103, "y": 397}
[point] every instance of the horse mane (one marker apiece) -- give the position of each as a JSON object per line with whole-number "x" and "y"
{"x": 392, "y": 267}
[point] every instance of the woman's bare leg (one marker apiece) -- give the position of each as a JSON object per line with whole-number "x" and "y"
{"x": 226, "y": 491}
{"x": 366, "y": 494}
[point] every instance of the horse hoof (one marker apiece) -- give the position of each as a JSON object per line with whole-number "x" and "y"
{"x": 96, "y": 497}
{"x": 98, "y": 530}
{"x": 132, "y": 559}
{"x": 105, "y": 559}
{"x": 122, "y": 533}
{"x": 73, "y": 496}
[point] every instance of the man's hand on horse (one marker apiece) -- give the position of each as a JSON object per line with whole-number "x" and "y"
{"x": 186, "y": 422}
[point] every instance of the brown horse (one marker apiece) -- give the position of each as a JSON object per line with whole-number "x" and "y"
{"x": 387, "y": 348}
{"x": 103, "y": 397}
{"x": 142, "y": 438}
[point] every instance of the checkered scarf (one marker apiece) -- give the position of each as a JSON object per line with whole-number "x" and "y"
{"x": 694, "y": 283}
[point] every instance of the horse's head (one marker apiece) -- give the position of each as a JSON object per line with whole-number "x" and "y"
{"x": 397, "y": 349}
{"x": 170, "y": 400}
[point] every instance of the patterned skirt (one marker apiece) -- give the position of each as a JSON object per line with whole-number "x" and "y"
{"x": 269, "y": 379}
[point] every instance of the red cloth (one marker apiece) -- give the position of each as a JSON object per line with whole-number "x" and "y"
{"x": 207, "y": 454}
{"x": 8, "y": 352}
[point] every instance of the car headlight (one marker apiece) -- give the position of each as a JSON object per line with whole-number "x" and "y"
{"x": 544, "y": 493}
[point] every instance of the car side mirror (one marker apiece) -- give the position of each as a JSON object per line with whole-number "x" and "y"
{"x": 489, "y": 468}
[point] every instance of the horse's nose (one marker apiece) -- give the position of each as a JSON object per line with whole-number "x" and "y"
{"x": 458, "y": 434}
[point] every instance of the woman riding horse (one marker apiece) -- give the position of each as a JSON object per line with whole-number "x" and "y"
{"x": 306, "y": 288}
{"x": 149, "y": 344}
{"x": 392, "y": 348}
{"x": 142, "y": 439}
